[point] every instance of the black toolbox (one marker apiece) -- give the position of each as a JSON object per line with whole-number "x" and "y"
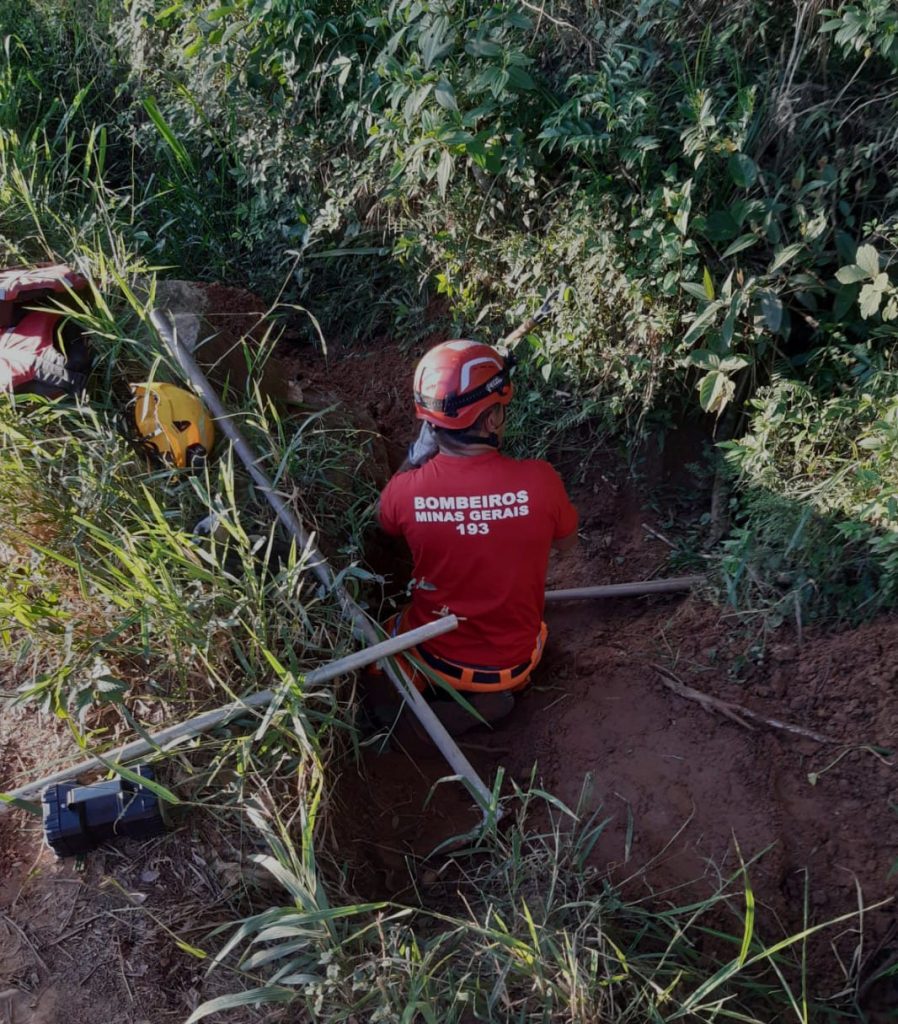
{"x": 79, "y": 818}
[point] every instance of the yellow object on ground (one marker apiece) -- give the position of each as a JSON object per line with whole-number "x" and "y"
{"x": 174, "y": 422}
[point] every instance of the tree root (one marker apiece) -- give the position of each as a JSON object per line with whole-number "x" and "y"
{"x": 735, "y": 712}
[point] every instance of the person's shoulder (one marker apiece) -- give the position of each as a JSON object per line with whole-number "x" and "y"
{"x": 536, "y": 467}
{"x": 407, "y": 478}
{"x": 395, "y": 498}
{"x": 541, "y": 477}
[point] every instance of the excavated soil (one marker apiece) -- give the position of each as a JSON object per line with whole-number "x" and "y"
{"x": 681, "y": 782}
{"x": 688, "y": 789}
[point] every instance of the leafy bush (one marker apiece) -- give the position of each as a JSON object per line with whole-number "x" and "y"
{"x": 823, "y": 477}
{"x": 722, "y": 216}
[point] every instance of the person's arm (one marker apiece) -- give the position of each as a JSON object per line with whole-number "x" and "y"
{"x": 566, "y": 518}
{"x": 385, "y": 510}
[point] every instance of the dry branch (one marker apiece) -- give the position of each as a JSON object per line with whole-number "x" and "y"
{"x": 735, "y": 712}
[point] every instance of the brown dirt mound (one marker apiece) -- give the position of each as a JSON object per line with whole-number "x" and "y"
{"x": 374, "y": 383}
{"x": 683, "y": 784}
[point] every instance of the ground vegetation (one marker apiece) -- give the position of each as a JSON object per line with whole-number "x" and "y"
{"x": 712, "y": 191}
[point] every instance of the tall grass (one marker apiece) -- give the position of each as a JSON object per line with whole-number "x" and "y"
{"x": 116, "y": 616}
{"x": 525, "y": 932}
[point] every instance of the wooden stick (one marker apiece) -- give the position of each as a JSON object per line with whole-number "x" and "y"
{"x": 625, "y": 589}
{"x": 735, "y": 712}
{"x": 220, "y": 716}
{"x": 532, "y": 322}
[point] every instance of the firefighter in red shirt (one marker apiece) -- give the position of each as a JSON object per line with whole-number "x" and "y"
{"x": 480, "y": 526}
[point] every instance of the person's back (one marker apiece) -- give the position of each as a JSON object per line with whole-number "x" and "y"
{"x": 480, "y": 529}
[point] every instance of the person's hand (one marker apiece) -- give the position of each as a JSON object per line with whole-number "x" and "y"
{"x": 424, "y": 447}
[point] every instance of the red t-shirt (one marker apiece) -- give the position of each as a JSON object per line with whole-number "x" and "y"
{"x": 480, "y": 528}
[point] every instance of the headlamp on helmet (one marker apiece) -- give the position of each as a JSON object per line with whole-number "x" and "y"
{"x": 456, "y": 381}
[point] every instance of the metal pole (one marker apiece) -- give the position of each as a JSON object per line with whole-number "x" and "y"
{"x": 625, "y": 589}
{"x": 432, "y": 725}
{"x": 220, "y": 716}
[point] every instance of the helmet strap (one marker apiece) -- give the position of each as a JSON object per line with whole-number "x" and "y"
{"x": 463, "y": 437}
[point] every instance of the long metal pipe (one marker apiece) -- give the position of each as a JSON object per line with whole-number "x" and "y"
{"x": 625, "y": 589}
{"x": 432, "y": 725}
{"x": 221, "y": 716}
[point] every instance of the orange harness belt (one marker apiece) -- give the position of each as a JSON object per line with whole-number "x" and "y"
{"x": 420, "y": 665}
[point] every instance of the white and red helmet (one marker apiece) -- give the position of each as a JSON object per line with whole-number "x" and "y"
{"x": 41, "y": 350}
{"x": 458, "y": 380}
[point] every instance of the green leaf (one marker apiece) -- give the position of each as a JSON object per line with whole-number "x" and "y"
{"x": 871, "y": 296}
{"x": 715, "y": 390}
{"x": 139, "y": 780}
{"x": 705, "y": 358}
{"x": 483, "y": 48}
{"x": 518, "y": 78}
{"x": 720, "y": 226}
{"x": 851, "y": 274}
{"x": 708, "y": 282}
{"x": 871, "y": 443}
{"x": 72, "y": 110}
{"x": 771, "y": 310}
{"x": 416, "y": 100}
{"x": 846, "y": 297}
{"x": 733, "y": 363}
{"x": 742, "y": 242}
{"x": 784, "y": 256}
{"x": 729, "y": 324}
{"x": 696, "y": 290}
{"x": 444, "y": 171}
{"x": 702, "y": 322}
{"x": 749, "y": 928}
{"x": 252, "y": 997}
{"x": 22, "y": 805}
{"x": 174, "y": 144}
{"x": 445, "y": 95}
{"x": 434, "y": 45}
{"x": 454, "y": 137}
{"x": 867, "y": 258}
{"x": 500, "y": 81}
{"x": 517, "y": 20}
{"x": 743, "y": 170}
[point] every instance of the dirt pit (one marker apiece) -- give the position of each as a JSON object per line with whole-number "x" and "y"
{"x": 683, "y": 785}
{"x": 680, "y": 783}
{"x": 687, "y": 788}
